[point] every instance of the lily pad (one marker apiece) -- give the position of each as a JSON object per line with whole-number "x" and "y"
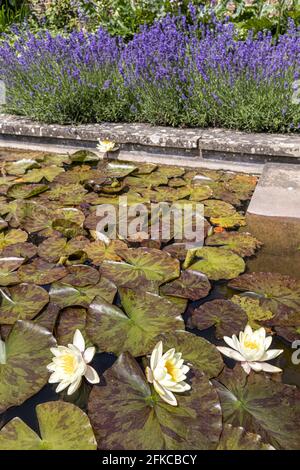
{"x": 40, "y": 272}
{"x": 198, "y": 352}
{"x": 216, "y": 208}
{"x": 230, "y": 221}
{"x": 200, "y": 193}
{"x": 23, "y": 371}
{"x": 22, "y": 302}
{"x": 70, "y": 319}
{"x": 146, "y": 181}
{"x": 47, "y": 318}
{"x": 48, "y": 173}
{"x": 241, "y": 243}
{"x": 68, "y": 194}
{"x": 227, "y": 317}
{"x": 65, "y": 295}
{"x": 191, "y": 285}
{"x": 20, "y": 250}
{"x": 63, "y": 426}
{"x": 170, "y": 171}
{"x": 272, "y": 289}
{"x": 98, "y": 251}
{"x": 127, "y": 414}
{"x": 58, "y": 249}
{"x": 81, "y": 275}
{"x": 83, "y": 156}
{"x": 286, "y": 323}
{"x": 12, "y": 237}
{"x": 8, "y": 274}
{"x": 262, "y": 406}
{"x": 147, "y": 316}
{"x": 26, "y": 191}
{"x": 143, "y": 265}
{"x": 255, "y": 311}
{"x": 20, "y": 166}
{"x": 236, "y": 438}
{"x": 116, "y": 169}
{"x": 218, "y": 263}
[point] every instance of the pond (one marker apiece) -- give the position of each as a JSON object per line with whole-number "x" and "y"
{"x": 125, "y": 293}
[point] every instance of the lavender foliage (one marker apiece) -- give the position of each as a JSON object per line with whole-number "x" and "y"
{"x": 171, "y": 73}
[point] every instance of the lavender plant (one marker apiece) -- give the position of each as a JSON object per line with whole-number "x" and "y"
{"x": 175, "y": 72}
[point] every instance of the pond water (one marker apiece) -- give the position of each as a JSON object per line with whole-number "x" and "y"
{"x": 52, "y": 267}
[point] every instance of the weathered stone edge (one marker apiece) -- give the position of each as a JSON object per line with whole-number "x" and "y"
{"x": 219, "y": 140}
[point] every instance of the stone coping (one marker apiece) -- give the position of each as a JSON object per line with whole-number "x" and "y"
{"x": 193, "y": 140}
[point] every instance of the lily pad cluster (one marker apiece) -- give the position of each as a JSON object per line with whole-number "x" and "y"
{"x": 125, "y": 295}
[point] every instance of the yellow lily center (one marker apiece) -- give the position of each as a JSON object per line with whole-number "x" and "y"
{"x": 69, "y": 363}
{"x": 250, "y": 344}
{"x": 171, "y": 369}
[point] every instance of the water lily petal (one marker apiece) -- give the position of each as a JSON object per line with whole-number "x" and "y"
{"x": 74, "y": 386}
{"x": 149, "y": 375}
{"x": 165, "y": 394}
{"x": 88, "y": 354}
{"x": 271, "y": 354}
{"x": 256, "y": 366}
{"x": 269, "y": 368}
{"x": 231, "y": 353}
{"x": 268, "y": 342}
{"x": 91, "y": 375}
{"x": 62, "y": 386}
{"x": 232, "y": 342}
{"x": 246, "y": 367}
{"x": 156, "y": 355}
{"x": 78, "y": 341}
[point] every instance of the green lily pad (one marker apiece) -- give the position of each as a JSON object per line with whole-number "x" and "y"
{"x": 11, "y": 238}
{"x": 243, "y": 185}
{"x": 170, "y": 171}
{"x": 147, "y": 316}
{"x": 241, "y": 243}
{"x": 26, "y": 191}
{"x": 146, "y": 181}
{"x": 22, "y": 302}
{"x": 236, "y": 438}
{"x": 116, "y": 169}
{"x": 79, "y": 174}
{"x": 177, "y": 183}
{"x": 33, "y": 217}
{"x": 83, "y": 156}
{"x": 143, "y": 265}
{"x": 191, "y": 285}
{"x": 98, "y": 251}
{"x": 218, "y": 263}
{"x": 145, "y": 168}
{"x": 68, "y": 194}
{"x": 20, "y": 166}
{"x": 8, "y": 267}
{"x": 23, "y": 371}
{"x": 63, "y": 426}
{"x": 65, "y": 295}
{"x": 215, "y": 208}
{"x": 230, "y": 221}
{"x": 127, "y": 414}
{"x": 198, "y": 352}
{"x": 81, "y": 275}
{"x": 261, "y": 405}
{"x": 272, "y": 289}
{"x": 35, "y": 176}
{"x": 255, "y": 311}
{"x": 71, "y": 319}
{"x": 227, "y": 317}
{"x": 41, "y": 272}
{"x": 200, "y": 193}
{"x": 56, "y": 249}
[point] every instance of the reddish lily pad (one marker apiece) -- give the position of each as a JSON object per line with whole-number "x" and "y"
{"x": 241, "y": 243}
{"x": 143, "y": 265}
{"x": 191, "y": 285}
{"x": 81, "y": 275}
{"x": 20, "y": 250}
{"x": 8, "y": 274}
{"x": 58, "y": 249}
{"x": 47, "y": 319}
{"x": 272, "y": 289}
{"x": 26, "y": 191}
{"x": 71, "y": 319}
{"x": 147, "y": 316}
{"x": 227, "y": 317}
{"x": 22, "y": 302}
{"x": 65, "y": 295}
{"x": 237, "y": 438}
{"x": 23, "y": 371}
{"x": 40, "y": 272}
{"x": 62, "y": 426}
{"x": 261, "y": 405}
{"x": 127, "y": 414}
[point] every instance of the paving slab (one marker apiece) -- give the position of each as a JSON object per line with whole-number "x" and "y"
{"x": 273, "y": 215}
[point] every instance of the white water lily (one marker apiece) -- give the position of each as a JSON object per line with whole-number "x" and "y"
{"x": 252, "y": 350}
{"x": 70, "y": 364}
{"x": 167, "y": 373}
{"x": 107, "y": 146}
